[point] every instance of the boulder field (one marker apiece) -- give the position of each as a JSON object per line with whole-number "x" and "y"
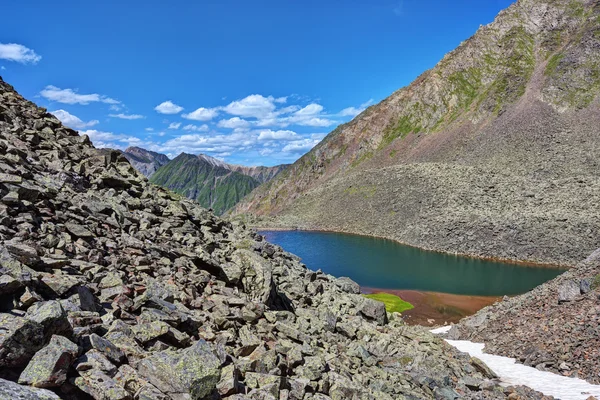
{"x": 112, "y": 288}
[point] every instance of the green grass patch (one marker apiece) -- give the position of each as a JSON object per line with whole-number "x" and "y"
{"x": 392, "y": 302}
{"x": 553, "y": 64}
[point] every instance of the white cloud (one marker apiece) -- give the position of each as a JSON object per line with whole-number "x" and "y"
{"x": 354, "y": 111}
{"x": 168, "y": 107}
{"x": 69, "y": 96}
{"x": 300, "y": 146}
{"x": 115, "y": 107}
{"x": 277, "y": 135}
{"x": 2, "y": 67}
{"x": 253, "y": 106}
{"x": 281, "y": 99}
{"x": 196, "y": 128}
{"x": 18, "y": 53}
{"x": 202, "y": 114}
{"x": 127, "y": 116}
{"x": 233, "y": 123}
{"x": 174, "y": 125}
{"x": 311, "y": 109}
{"x": 72, "y": 121}
{"x": 149, "y": 129}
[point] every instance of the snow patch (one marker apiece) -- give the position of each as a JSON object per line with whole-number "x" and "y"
{"x": 442, "y": 329}
{"x": 511, "y": 373}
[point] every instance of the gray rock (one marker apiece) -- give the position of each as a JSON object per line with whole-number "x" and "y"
{"x": 106, "y": 347}
{"x": 52, "y": 316}
{"x": 191, "y": 372}
{"x": 585, "y": 286}
{"x": 348, "y": 285}
{"x": 374, "y": 310}
{"x": 568, "y": 291}
{"x": 20, "y": 339}
{"x": 257, "y": 278}
{"x": 101, "y": 386}
{"x": 13, "y": 391}
{"x": 48, "y": 367}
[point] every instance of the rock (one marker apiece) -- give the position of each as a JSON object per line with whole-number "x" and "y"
{"x": 106, "y": 347}
{"x": 24, "y": 253}
{"x": 568, "y": 291}
{"x": 374, "y": 310}
{"x": 585, "y": 286}
{"x": 48, "y": 367}
{"x": 94, "y": 359}
{"x": 79, "y": 230}
{"x": 483, "y": 368}
{"x": 193, "y": 371}
{"x": 229, "y": 381}
{"x": 348, "y": 285}
{"x": 20, "y": 339}
{"x": 52, "y": 316}
{"x": 13, "y": 391}
{"x": 257, "y": 279}
{"x": 101, "y": 386}
{"x": 9, "y": 285}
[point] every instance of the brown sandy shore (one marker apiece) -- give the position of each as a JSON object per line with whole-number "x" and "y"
{"x": 432, "y": 308}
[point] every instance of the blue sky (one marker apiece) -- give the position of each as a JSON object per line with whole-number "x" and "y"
{"x": 250, "y": 82}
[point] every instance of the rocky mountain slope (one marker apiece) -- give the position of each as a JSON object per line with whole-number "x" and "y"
{"x": 555, "y": 327}
{"x": 491, "y": 153}
{"x": 145, "y": 161}
{"x": 112, "y": 288}
{"x": 211, "y": 182}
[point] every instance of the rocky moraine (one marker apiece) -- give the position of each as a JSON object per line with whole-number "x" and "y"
{"x": 112, "y": 288}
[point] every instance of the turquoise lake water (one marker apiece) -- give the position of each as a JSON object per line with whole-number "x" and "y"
{"x": 384, "y": 264}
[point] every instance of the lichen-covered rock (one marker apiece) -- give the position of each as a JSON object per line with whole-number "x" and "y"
{"x": 257, "y": 279}
{"x": 48, "y": 367}
{"x": 101, "y": 386}
{"x": 191, "y": 372}
{"x": 13, "y": 391}
{"x": 52, "y": 316}
{"x": 20, "y": 338}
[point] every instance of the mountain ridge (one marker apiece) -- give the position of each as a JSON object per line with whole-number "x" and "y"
{"x": 504, "y": 106}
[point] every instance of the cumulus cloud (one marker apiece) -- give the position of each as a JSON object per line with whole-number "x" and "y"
{"x": 233, "y": 123}
{"x": 354, "y": 111}
{"x": 168, "y": 107}
{"x": 149, "y": 129}
{"x": 174, "y": 125}
{"x": 72, "y": 121}
{"x": 277, "y": 135}
{"x": 196, "y": 128}
{"x": 127, "y": 116}
{"x": 18, "y": 53}
{"x": 300, "y": 146}
{"x": 70, "y": 96}
{"x": 202, "y": 114}
{"x": 253, "y": 106}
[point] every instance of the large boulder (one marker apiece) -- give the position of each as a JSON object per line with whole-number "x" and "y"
{"x": 257, "y": 275}
{"x": 180, "y": 374}
{"x": 48, "y": 367}
{"x": 20, "y": 338}
{"x": 568, "y": 291}
{"x": 373, "y": 310}
{"x": 52, "y": 316}
{"x": 13, "y": 391}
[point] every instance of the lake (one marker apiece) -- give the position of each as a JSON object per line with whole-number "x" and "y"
{"x": 388, "y": 266}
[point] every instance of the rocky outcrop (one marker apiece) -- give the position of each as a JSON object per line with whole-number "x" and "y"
{"x": 555, "y": 327}
{"x": 491, "y": 153}
{"x": 114, "y": 288}
{"x": 145, "y": 161}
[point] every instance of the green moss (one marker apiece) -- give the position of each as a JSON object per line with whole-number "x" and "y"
{"x": 393, "y": 153}
{"x": 365, "y": 191}
{"x": 466, "y": 85}
{"x": 553, "y": 64}
{"x": 401, "y": 128}
{"x": 595, "y": 282}
{"x": 392, "y": 302}
{"x": 363, "y": 157}
{"x": 576, "y": 9}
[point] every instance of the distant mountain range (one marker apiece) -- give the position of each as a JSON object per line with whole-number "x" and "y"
{"x": 213, "y": 183}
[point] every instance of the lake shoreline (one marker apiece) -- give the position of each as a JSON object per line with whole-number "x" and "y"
{"x": 522, "y": 263}
{"x": 435, "y": 308}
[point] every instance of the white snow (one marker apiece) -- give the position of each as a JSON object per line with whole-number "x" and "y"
{"x": 511, "y": 373}
{"x": 442, "y": 329}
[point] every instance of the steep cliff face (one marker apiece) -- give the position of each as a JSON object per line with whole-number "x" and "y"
{"x": 145, "y": 161}
{"x": 490, "y": 153}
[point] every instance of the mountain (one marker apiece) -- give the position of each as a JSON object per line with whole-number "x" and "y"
{"x": 113, "y": 288}
{"x": 212, "y": 182}
{"x": 145, "y": 161}
{"x": 491, "y": 153}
